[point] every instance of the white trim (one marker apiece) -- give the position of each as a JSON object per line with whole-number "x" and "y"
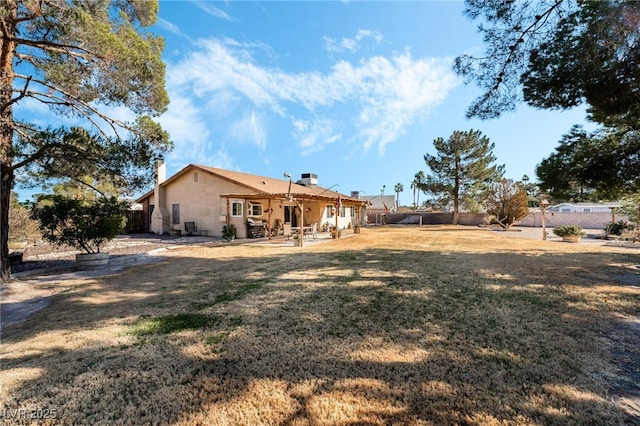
{"x": 250, "y": 211}
{"x": 233, "y": 202}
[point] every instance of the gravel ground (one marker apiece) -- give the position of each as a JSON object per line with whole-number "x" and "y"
{"x": 46, "y": 256}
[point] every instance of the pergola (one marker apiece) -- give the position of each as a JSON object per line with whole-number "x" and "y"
{"x": 297, "y": 199}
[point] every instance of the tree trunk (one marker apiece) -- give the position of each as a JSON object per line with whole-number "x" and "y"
{"x": 456, "y": 208}
{"x": 6, "y": 178}
{"x": 456, "y": 192}
{"x": 7, "y": 48}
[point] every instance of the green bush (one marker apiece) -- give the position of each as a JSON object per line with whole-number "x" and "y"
{"x": 83, "y": 225}
{"x": 562, "y": 231}
{"x": 229, "y": 232}
{"x": 618, "y": 228}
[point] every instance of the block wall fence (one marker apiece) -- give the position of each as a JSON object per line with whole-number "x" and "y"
{"x": 585, "y": 220}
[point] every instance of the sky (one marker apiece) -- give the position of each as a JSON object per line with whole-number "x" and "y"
{"x": 354, "y": 92}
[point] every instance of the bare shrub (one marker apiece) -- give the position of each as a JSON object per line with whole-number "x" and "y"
{"x": 22, "y": 229}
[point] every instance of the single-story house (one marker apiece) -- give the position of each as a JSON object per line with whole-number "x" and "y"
{"x": 212, "y": 198}
{"x": 380, "y": 203}
{"x": 584, "y": 207}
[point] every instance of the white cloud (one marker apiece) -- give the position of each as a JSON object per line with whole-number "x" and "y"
{"x": 315, "y": 135}
{"x": 213, "y": 11}
{"x": 188, "y": 130}
{"x": 249, "y": 128}
{"x": 378, "y": 96}
{"x": 352, "y": 44}
{"x": 169, "y": 26}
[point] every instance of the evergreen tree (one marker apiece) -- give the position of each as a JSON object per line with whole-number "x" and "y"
{"x": 596, "y": 166}
{"x": 462, "y": 162}
{"x": 557, "y": 54}
{"x": 78, "y": 57}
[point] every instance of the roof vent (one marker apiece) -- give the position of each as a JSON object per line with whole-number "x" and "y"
{"x": 308, "y": 179}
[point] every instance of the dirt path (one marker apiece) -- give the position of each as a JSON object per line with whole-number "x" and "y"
{"x": 46, "y": 268}
{"x": 20, "y": 299}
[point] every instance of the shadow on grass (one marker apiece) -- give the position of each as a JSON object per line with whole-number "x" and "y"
{"x": 373, "y": 336}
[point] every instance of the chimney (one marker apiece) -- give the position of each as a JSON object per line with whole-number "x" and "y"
{"x": 161, "y": 171}
{"x": 308, "y": 179}
{"x": 160, "y": 219}
{"x": 355, "y": 194}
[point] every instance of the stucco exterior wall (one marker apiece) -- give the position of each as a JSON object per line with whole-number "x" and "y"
{"x": 198, "y": 195}
{"x": 534, "y": 219}
{"x": 200, "y": 202}
{"x": 585, "y": 220}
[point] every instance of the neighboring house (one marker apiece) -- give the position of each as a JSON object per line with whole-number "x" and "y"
{"x": 584, "y": 207}
{"x": 380, "y": 203}
{"x": 213, "y": 197}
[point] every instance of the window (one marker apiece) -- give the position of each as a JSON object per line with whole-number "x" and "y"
{"x": 236, "y": 208}
{"x": 254, "y": 209}
{"x": 329, "y": 211}
{"x": 586, "y": 210}
{"x": 343, "y": 211}
{"x": 175, "y": 210}
{"x": 353, "y": 212}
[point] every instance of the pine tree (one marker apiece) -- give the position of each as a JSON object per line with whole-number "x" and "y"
{"x": 462, "y": 162}
{"x": 78, "y": 58}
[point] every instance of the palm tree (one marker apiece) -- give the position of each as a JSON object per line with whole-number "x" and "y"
{"x": 398, "y": 189}
{"x": 418, "y": 179}
{"x": 414, "y": 187}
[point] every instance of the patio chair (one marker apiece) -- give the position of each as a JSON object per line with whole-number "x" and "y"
{"x": 312, "y": 232}
{"x": 287, "y": 230}
{"x": 190, "y": 228}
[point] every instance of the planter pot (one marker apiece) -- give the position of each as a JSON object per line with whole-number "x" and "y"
{"x": 89, "y": 261}
{"x": 571, "y": 238}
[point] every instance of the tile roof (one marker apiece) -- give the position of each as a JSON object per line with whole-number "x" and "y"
{"x": 260, "y": 184}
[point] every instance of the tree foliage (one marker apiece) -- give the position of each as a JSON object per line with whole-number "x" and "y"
{"x": 418, "y": 179}
{"x": 532, "y": 189}
{"x": 462, "y": 162}
{"x": 507, "y": 201}
{"x": 80, "y": 59}
{"x": 601, "y": 165}
{"x": 557, "y": 54}
{"x": 23, "y": 228}
{"x": 398, "y": 188}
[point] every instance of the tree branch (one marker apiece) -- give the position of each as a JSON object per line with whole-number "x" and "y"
{"x": 512, "y": 49}
{"x": 37, "y": 155}
{"x": 23, "y": 93}
{"x": 69, "y": 49}
{"x": 72, "y": 102}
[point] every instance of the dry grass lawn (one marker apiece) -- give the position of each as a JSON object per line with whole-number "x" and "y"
{"x": 398, "y": 325}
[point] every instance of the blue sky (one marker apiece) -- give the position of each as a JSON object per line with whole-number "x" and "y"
{"x": 354, "y": 92}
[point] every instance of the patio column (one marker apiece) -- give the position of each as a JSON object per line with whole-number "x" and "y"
{"x": 301, "y": 225}
{"x": 269, "y": 219}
